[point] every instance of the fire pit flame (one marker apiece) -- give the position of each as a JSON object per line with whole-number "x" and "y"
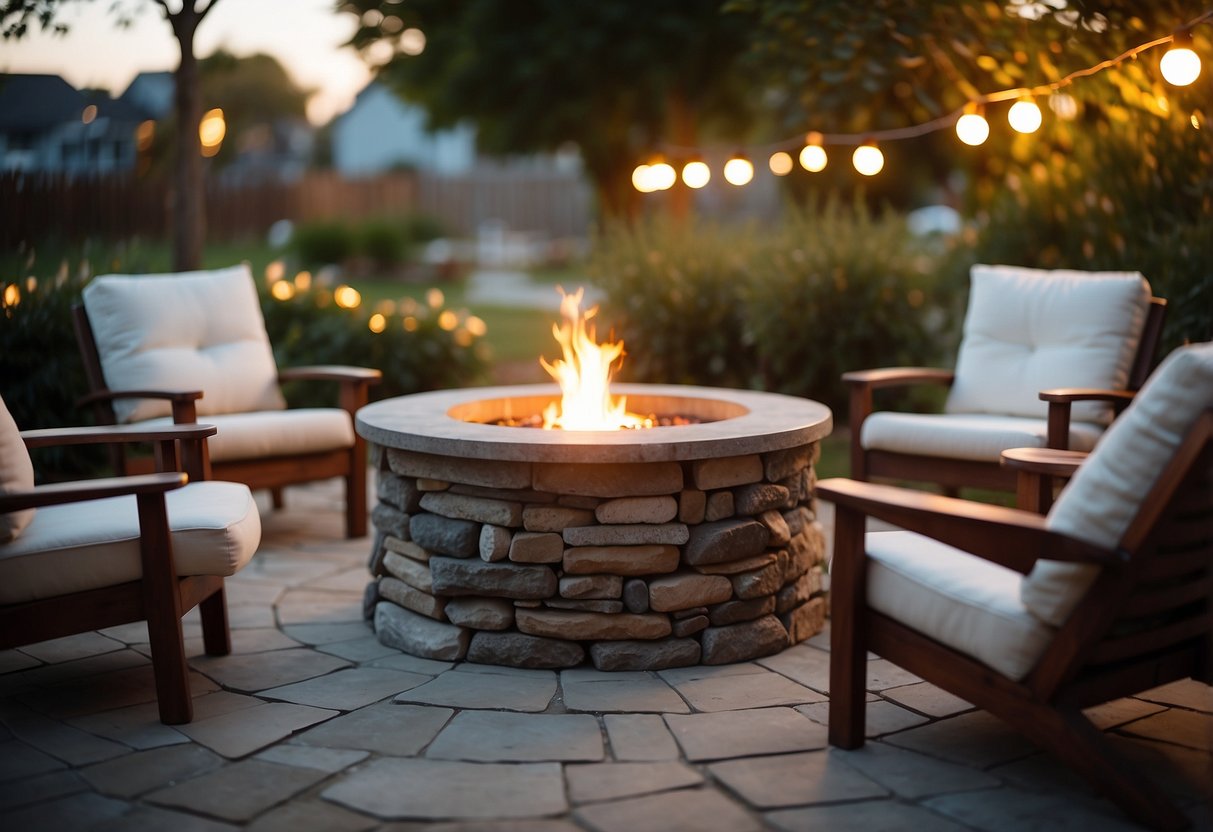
{"x": 584, "y": 375}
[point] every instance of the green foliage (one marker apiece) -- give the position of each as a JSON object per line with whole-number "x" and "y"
{"x": 786, "y": 308}
{"x": 324, "y": 243}
{"x": 383, "y": 241}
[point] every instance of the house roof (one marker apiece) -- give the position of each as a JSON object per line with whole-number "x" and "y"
{"x": 37, "y": 102}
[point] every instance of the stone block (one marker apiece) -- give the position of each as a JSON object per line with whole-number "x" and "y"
{"x": 799, "y": 591}
{"x": 478, "y": 509}
{"x": 592, "y": 586}
{"x": 412, "y": 572}
{"x": 758, "y": 497}
{"x": 411, "y": 598}
{"x": 592, "y": 626}
{"x": 632, "y": 534}
{"x": 734, "y": 567}
{"x": 778, "y": 465}
{"x": 777, "y": 526}
{"x": 485, "y": 472}
{"x": 546, "y": 518}
{"x": 517, "y": 495}
{"x": 375, "y": 455}
{"x": 497, "y": 580}
{"x": 686, "y": 590}
{"x": 442, "y": 535}
{"x": 494, "y": 543}
{"x": 370, "y": 597}
{"x": 733, "y": 612}
{"x": 795, "y": 487}
{"x": 407, "y": 548}
{"x": 805, "y": 551}
{"x": 624, "y": 510}
{"x": 480, "y": 613}
{"x": 587, "y": 604}
{"x": 578, "y": 501}
{"x": 725, "y": 540}
{"x": 691, "y": 505}
{"x": 620, "y": 560}
{"x": 690, "y": 612}
{"x": 374, "y": 563}
{"x": 430, "y": 484}
{"x": 390, "y": 521}
{"x": 719, "y": 506}
{"x": 404, "y": 630}
{"x": 805, "y": 621}
{"x": 620, "y": 479}
{"x": 683, "y": 627}
{"x": 399, "y": 492}
{"x": 536, "y": 547}
{"x": 742, "y": 642}
{"x": 636, "y": 595}
{"x": 644, "y": 655}
{"x": 521, "y": 650}
{"x": 726, "y": 472}
{"x": 759, "y": 582}
{"x": 794, "y": 520}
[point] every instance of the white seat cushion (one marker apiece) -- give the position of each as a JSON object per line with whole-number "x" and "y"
{"x": 16, "y": 474}
{"x": 78, "y": 546}
{"x": 1028, "y": 330}
{"x": 976, "y": 436}
{"x": 1105, "y": 495}
{"x": 955, "y": 598}
{"x": 188, "y": 331}
{"x": 276, "y": 433}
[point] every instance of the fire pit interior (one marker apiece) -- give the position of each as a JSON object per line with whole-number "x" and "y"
{"x": 637, "y": 549}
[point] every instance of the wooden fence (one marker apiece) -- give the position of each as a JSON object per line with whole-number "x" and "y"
{"x": 37, "y": 206}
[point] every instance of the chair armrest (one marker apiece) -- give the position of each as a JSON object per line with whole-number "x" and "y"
{"x": 1049, "y": 462}
{"x": 184, "y": 409}
{"x": 331, "y": 372}
{"x": 898, "y": 377}
{"x": 1009, "y": 537}
{"x": 110, "y": 434}
{"x": 74, "y": 492}
{"x": 1061, "y": 399}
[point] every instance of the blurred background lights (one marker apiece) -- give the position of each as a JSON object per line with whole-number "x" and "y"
{"x": 282, "y": 290}
{"x": 662, "y": 176}
{"x": 640, "y": 179}
{"x": 868, "y": 159}
{"x": 377, "y": 323}
{"x": 813, "y": 157}
{"x": 1180, "y": 65}
{"x": 696, "y": 174}
{"x": 211, "y": 131}
{"x": 347, "y": 297}
{"x": 780, "y": 163}
{"x": 738, "y": 171}
{"x": 972, "y": 128}
{"x": 412, "y": 41}
{"x": 1064, "y": 106}
{"x": 1024, "y": 116}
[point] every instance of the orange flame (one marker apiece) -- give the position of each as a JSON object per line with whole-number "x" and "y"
{"x": 584, "y": 375}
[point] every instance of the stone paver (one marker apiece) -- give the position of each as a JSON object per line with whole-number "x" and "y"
{"x": 880, "y": 717}
{"x": 531, "y": 692}
{"x": 728, "y": 734}
{"x": 260, "y": 671}
{"x": 794, "y": 780}
{"x": 311, "y": 816}
{"x": 688, "y": 810}
{"x": 395, "y": 730}
{"x": 155, "y": 819}
{"x": 240, "y": 733}
{"x": 754, "y": 690}
{"x": 876, "y": 816}
{"x": 17, "y": 793}
{"x": 1187, "y": 693}
{"x": 494, "y": 737}
{"x": 81, "y": 811}
{"x": 600, "y": 692}
{"x": 910, "y": 775}
{"x": 238, "y": 792}
{"x": 1008, "y": 809}
{"x": 1187, "y": 728}
{"x": 595, "y": 782}
{"x": 436, "y": 789}
{"x": 927, "y": 699}
{"x": 134, "y": 774}
{"x": 640, "y": 737}
{"x": 346, "y": 690}
{"x": 976, "y": 739}
{"x": 331, "y": 760}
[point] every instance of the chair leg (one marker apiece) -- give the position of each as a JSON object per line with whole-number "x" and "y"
{"x": 355, "y": 496}
{"x": 216, "y": 635}
{"x": 276, "y": 498}
{"x": 848, "y": 644}
{"x": 162, "y": 606}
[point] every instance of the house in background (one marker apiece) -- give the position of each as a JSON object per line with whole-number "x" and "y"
{"x": 48, "y": 125}
{"x": 151, "y": 92}
{"x": 381, "y": 131}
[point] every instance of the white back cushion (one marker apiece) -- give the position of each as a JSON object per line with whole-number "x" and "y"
{"x": 188, "y": 331}
{"x": 1103, "y": 498}
{"x": 1028, "y": 330}
{"x": 16, "y": 474}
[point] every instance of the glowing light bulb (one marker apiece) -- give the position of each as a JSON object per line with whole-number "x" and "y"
{"x": 738, "y": 171}
{"x": 662, "y": 176}
{"x": 780, "y": 163}
{"x": 1064, "y": 106}
{"x": 696, "y": 174}
{"x": 640, "y": 179}
{"x": 1025, "y": 116}
{"x": 868, "y": 159}
{"x": 1180, "y": 66}
{"x": 813, "y": 156}
{"x": 972, "y": 127}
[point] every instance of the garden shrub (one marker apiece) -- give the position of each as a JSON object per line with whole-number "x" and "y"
{"x": 384, "y": 242}
{"x": 324, "y": 243}
{"x": 788, "y": 308}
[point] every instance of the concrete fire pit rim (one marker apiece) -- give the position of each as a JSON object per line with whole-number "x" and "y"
{"x": 422, "y": 423}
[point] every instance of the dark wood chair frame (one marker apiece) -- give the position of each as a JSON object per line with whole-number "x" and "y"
{"x": 1146, "y": 621}
{"x": 957, "y": 473}
{"x": 273, "y": 473}
{"x": 161, "y": 597}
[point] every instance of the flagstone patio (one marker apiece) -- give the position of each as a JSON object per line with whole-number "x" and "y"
{"x": 312, "y": 724}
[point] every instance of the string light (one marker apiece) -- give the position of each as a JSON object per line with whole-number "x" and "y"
{"x": 1180, "y": 66}
{"x": 662, "y": 176}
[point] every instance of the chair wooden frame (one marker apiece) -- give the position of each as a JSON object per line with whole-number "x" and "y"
{"x": 1146, "y": 621}
{"x": 161, "y": 597}
{"x": 957, "y": 473}
{"x": 273, "y": 473}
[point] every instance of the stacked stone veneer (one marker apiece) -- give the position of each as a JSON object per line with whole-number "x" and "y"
{"x": 638, "y": 566}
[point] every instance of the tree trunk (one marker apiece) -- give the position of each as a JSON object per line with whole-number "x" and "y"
{"x": 681, "y": 128}
{"x": 189, "y": 191}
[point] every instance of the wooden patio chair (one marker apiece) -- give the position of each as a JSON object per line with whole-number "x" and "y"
{"x": 81, "y": 556}
{"x": 1034, "y": 618}
{"x": 1080, "y": 341}
{"x": 180, "y": 347}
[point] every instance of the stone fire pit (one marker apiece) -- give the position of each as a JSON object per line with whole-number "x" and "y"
{"x": 643, "y": 549}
